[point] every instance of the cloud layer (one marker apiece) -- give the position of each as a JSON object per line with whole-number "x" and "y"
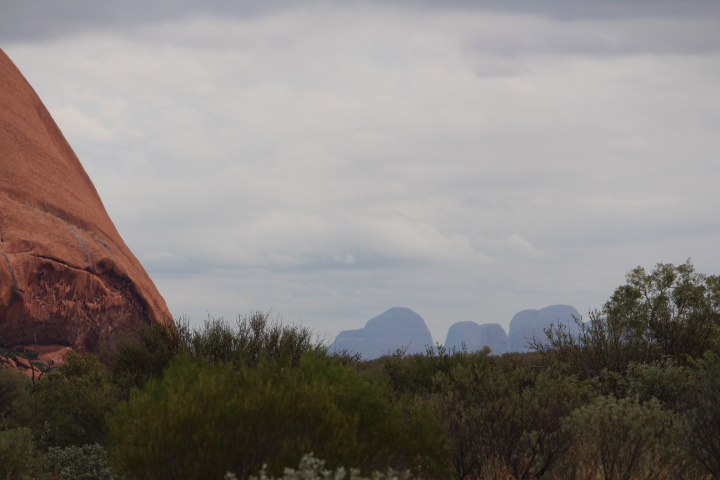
{"x": 332, "y": 161}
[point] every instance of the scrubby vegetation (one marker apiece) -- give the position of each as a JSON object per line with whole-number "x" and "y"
{"x": 636, "y": 395}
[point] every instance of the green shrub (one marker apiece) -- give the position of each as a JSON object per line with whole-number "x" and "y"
{"x": 414, "y": 374}
{"x": 142, "y": 357}
{"x": 14, "y": 388}
{"x": 253, "y": 338}
{"x": 18, "y": 456}
{"x": 70, "y": 407}
{"x": 503, "y": 416}
{"x": 88, "y": 462}
{"x": 704, "y": 437}
{"x": 625, "y": 439}
{"x": 202, "y": 420}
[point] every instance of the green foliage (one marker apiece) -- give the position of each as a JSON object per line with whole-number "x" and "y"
{"x": 662, "y": 318}
{"x": 674, "y": 386}
{"x": 242, "y": 418}
{"x": 625, "y": 439}
{"x": 704, "y": 435}
{"x": 143, "y": 357}
{"x": 88, "y": 462}
{"x": 17, "y": 454}
{"x": 14, "y": 388}
{"x": 313, "y": 469}
{"x": 70, "y": 407}
{"x": 503, "y": 415}
{"x": 252, "y": 339}
{"x": 414, "y": 374}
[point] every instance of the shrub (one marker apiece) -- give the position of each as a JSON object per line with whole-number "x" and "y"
{"x": 18, "y": 456}
{"x": 14, "y": 388}
{"x": 253, "y": 338}
{"x": 704, "y": 437}
{"x": 414, "y": 374}
{"x": 143, "y": 356}
{"x": 88, "y": 462}
{"x": 203, "y": 420}
{"x": 503, "y": 416}
{"x": 70, "y": 407}
{"x": 625, "y": 439}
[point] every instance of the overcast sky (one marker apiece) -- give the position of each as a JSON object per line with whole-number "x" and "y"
{"x": 330, "y": 160}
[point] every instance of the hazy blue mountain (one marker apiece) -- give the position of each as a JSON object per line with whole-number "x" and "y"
{"x": 397, "y": 328}
{"x": 530, "y": 323}
{"x": 477, "y": 336}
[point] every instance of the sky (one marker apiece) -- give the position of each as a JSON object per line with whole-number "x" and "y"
{"x": 327, "y": 161}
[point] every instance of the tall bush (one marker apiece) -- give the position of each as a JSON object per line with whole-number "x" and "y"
{"x": 253, "y": 338}
{"x": 626, "y": 439}
{"x": 503, "y": 416}
{"x": 202, "y": 420}
{"x": 70, "y": 407}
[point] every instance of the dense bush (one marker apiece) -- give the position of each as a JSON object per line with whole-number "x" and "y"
{"x": 70, "y": 407}
{"x": 18, "y": 456}
{"x": 618, "y": 439}
{"x": 143, "y": 356}
{"x": 88, "y": 462}
{"x": 414, "y": 374}
{"x": 252, "y": 339}
{"x": 705, "y": 417}
{"x": 202, "y": 420}
{"x": 14, "y": 388}
{"x": 501, "y": 414}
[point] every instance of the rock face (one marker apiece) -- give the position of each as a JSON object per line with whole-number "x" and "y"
{"x": 397, "y": 328}
{"x": 66, "y": 276}
{"x": 530, "y": 323}
{"x": 476, "y": 337}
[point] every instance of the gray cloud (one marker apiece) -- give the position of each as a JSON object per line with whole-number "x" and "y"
{"x": 334, "y": 161}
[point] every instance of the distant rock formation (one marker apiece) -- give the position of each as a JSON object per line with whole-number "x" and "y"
{"x": 397, "y": 328}
{"x": 476, "y": 337}
{"x": 530, "y": 323}
{"x": 67, "y": 279}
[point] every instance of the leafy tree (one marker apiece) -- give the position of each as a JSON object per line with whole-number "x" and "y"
{"x": 662, "y": 318}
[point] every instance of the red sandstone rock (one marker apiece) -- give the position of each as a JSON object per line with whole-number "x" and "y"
{"x": 67, "y": 279}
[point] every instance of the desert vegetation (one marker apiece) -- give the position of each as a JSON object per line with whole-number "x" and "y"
{"x": 635, "y": 395}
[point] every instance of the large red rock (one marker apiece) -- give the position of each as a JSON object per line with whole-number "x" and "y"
{"x": 66, "y": 276}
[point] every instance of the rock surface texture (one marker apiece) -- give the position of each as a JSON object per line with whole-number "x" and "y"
{"x": 397, "y": 328}
{"x": 476, "y": 337}
{"x": 67, "y": 279}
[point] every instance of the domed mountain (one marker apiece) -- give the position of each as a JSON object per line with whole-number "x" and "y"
{"x": 476, "y": 337}
{"x": 67, "y": 278}
{"x": 531, "y": 323}
{"x": 396, "y": 328}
